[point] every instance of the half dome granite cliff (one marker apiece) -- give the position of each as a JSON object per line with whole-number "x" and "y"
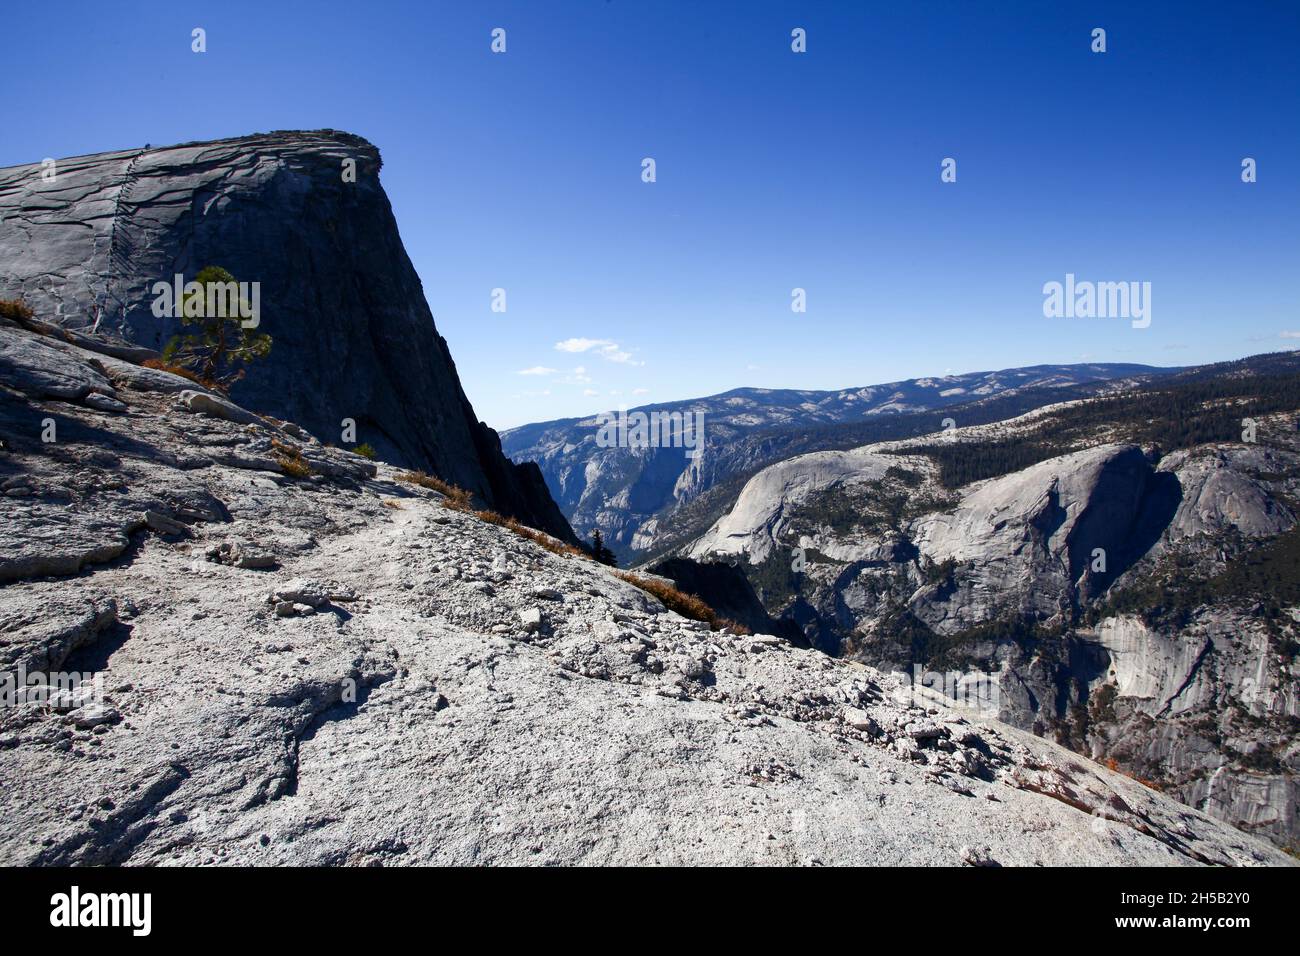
{"x": 354, "y": 336}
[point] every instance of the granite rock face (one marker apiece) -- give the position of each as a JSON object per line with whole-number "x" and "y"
{"x": 334, "y": 668}
{"x": 1060, "y": 582}
{"x": 353, "y": 335}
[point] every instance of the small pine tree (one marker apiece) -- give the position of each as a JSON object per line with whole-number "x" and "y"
{"x": 601, "y": 553}
{"x": 220, "y": 345}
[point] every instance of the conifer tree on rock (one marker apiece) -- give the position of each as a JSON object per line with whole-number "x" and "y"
{"x": 221, "y": 344}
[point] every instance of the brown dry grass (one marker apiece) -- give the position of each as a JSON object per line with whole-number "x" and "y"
{"x": 553, "y": 545}
{"x": 453, "y": 496}
{"x": 290, "y": 460}
{"x": 180, "y": 370}
{"x": 1110, "y": 763}
{"x": 17, "y": 310}
{"x": 687, "y": 605}
{"x": 459, "y": 499}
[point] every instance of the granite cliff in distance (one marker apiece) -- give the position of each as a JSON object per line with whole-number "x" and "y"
{"x": 354, "y": 336}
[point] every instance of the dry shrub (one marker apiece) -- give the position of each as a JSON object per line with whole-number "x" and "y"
{"x": 687, "y": 605}
{"x": 553, "y": 545}
{"x": 17, "y": 310}
{"x": 160, "y": 365}
{"x": 459, "y": 499}
{"x": 290, "y": 460}
{"x": 1110, "y": 763}
{"x": 453, "y": 496}
{"x": 392, "y": 503}
{"x": 491, "y": 517}
{"x": 735, "y": 626}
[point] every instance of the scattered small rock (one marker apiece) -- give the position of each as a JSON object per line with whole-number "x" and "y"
{"x": 531, "y": 618}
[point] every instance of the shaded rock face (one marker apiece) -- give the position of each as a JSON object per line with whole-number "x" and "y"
{"x": 1028, "y": 542}
{"x": 353, "y": 335}
{"x": 336, "y": 669}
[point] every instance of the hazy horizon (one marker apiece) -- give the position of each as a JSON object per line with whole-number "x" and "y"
{"x": 859, "y": 385}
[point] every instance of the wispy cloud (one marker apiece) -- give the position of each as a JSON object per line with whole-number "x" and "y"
{"x": 581, "y": 345}
{"x": 537, "y": 370}
{"x": 607, "y": 349}
{"x": 612, "y": 353}
{"x": 1290, "y": 335}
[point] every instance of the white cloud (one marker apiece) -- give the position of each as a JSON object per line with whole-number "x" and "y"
{"x": 607, "y": 349}
{"x": 590, "y": 391}
{"x": 612, "y": 353}
{"x": 581, "y": 345}
{"x": 537, "y": 370}
{"x": 640, "y": 391}
{"x": 1291, "y": 335}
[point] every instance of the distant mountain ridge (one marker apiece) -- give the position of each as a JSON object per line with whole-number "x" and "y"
{"x": 628, "y": 494}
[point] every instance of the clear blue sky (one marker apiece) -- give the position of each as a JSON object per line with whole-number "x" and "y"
{"x": 775, "y": 170}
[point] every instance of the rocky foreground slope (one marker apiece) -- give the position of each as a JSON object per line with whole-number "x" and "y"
{"x": 337, "y": 669}
{"x": 302, "y": 214}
